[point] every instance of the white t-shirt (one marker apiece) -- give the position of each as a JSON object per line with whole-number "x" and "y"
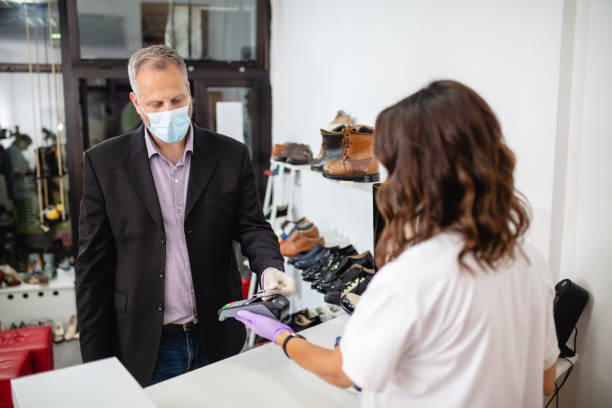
{"x": 426, "y": 334}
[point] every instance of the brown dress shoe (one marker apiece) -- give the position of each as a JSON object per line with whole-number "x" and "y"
{"x": 277, "y": 150}
{"x": 286, "y": 152}
{"x": 300, "y": 243}
{"x": 312, "y": 232}
{"x": 301, "y": 154}
{"x": 358, "y": 162}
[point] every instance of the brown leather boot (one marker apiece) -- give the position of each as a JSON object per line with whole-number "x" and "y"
{"x": 357, "y": 162}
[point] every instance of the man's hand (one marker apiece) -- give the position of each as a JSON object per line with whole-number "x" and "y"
{"x": 277, "y": 282}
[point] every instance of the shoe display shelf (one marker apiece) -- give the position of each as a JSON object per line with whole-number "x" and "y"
{"x": 305, "y": 297}
{"x": 352, "y": 184}
{"x": 280, "y": 190}
{"x": 563, "y": 365}
{"x": 27, "y": 302}
{"x": 289, "y": 166}
{"x": 277, "y": 193}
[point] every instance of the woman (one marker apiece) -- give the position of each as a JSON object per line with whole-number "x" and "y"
{"x": 461, "y": 313}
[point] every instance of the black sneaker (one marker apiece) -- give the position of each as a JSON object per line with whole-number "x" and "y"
{"x": 325, "y": 257}
{"x": 356, "y": 286}
{"x": 339, "y": 267}
{"x": 354, "y": 272}
{"x": 333, "y": 298}
{"x": 349, "y": 302}
{"x": 327, "y": 261}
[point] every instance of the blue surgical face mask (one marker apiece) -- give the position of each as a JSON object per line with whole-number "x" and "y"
{"x": 169, "y": 126}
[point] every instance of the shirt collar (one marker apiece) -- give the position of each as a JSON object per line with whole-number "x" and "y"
{"x": 152, "y": 148}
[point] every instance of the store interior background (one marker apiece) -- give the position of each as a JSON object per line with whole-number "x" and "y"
{"x": 543, "y": 66}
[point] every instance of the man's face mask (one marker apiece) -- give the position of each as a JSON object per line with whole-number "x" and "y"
{"x": 169, "y": 126}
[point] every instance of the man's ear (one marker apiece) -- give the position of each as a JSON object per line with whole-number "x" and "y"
{"x": 134, "y": 100}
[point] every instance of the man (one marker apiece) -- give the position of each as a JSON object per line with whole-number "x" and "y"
{"x": 19, "y": 164}
{"x": 15, "y": 167}
{"x": 161, "y": 206}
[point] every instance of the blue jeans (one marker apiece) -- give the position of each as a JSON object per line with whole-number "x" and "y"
{"x": 179, "y": 352}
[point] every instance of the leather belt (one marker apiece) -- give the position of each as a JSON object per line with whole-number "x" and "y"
{"x": 180, "y": 327}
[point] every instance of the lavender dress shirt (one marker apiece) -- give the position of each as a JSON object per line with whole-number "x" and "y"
{"x": 171, "y": 182}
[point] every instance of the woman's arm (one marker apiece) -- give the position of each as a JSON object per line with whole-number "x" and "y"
{"x": 323, "y": 362}
{"x": 549, "y": 380}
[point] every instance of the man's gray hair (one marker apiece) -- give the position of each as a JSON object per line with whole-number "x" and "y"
{"x": 158, "y": 55}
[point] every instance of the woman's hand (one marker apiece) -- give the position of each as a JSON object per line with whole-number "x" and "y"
{"x": 263, "y": 325}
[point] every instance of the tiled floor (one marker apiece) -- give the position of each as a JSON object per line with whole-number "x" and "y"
{"x": 67, "y": 354}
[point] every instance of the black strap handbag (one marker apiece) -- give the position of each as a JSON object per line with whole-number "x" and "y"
{"x": 570, "y": 300}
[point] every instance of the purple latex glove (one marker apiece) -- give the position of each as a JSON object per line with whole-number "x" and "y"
{"x": 262, "y": 325}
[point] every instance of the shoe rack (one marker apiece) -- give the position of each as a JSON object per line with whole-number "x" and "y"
{"x": 352, "y": 184}
{"x": 280, "y": 189}
{"x": 305, "y": 296}
{"x": 341, "y": 209}
{"x": 27, "y": 302}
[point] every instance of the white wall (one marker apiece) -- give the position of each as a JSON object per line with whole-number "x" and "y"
{"x": 362, "y": 56}
{"x": 583, "y": 252}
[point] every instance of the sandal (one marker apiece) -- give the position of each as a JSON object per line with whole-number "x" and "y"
{"x": 9, "y": 279}
{"x": 71, "y": 328}
{"x": 58, "y": 332}
{"x": 32, "y": 280}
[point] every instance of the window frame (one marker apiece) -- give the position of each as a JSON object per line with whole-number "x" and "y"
{"x": 204, "y": 73}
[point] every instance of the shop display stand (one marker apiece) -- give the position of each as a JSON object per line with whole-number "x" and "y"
{"x": 305, "y": 296}
{"x": 275, "y": 188}
{"x": 55, "y": 300}
{"x": 563, "y": 365}
{"x": 352, "y": 184}
{"x": 278, "y": 193}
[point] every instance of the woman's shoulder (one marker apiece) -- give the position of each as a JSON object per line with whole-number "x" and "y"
{"x": 535, "y": 264}
{"x": 427, "y": 261}
{"x": 442, "y": 247}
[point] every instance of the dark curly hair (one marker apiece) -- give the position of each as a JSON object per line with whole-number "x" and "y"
{"x": 449, "y": 170}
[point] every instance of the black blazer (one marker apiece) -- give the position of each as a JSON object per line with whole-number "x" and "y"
{"x": 121, "y": 257}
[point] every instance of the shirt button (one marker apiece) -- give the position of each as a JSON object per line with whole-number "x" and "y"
{"x": 179, "y": 208}
{"x": 176, "y": 180}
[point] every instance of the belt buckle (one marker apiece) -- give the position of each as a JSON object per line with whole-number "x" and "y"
{"x": 185, "y": 327}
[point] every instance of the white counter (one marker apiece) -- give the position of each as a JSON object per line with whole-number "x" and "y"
{"x": 262, "y": 377}
{"x": 99, "y": 384}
